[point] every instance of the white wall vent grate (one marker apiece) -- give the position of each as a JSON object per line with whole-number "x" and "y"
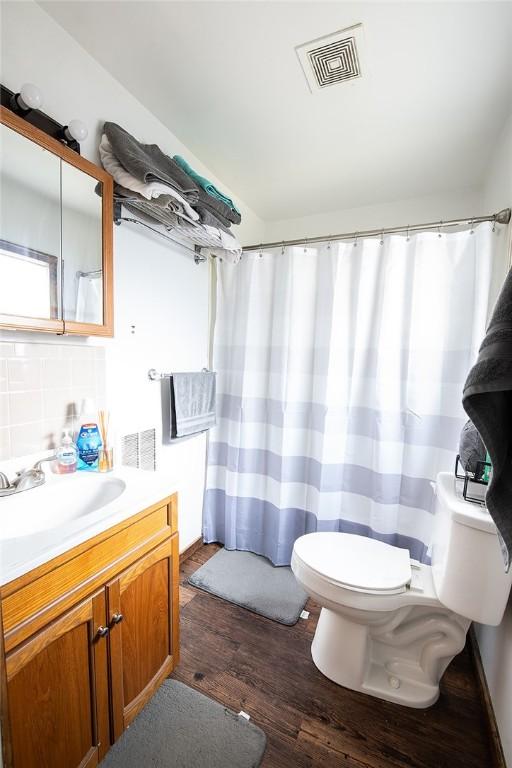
{"x": 139, "y": 450}
{"x": 147, "y": 449}
{"x": 332, "y": 59}
{"x": 130, "y": 450}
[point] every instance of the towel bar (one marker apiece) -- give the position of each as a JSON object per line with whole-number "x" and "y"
{"x": 153, "y": 374}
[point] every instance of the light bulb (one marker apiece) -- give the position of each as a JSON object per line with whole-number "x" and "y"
{"x": 30, "y": 97}
{"x": 76, "y": 130}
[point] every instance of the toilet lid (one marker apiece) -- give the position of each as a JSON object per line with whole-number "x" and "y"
{"x": 356, "y": 562}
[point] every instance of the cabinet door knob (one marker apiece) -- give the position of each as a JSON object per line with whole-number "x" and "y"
{"x": 116, "y": 619}
{"x": 101, "y": 632}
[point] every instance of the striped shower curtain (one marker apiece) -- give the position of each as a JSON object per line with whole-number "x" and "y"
{"x": 340, "y": 372}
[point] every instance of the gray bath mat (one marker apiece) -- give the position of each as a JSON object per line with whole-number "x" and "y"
{"x": 252, "y": 582}
{"x": 181, "y": 728}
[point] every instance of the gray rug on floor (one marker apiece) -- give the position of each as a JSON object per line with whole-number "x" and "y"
{"x": 252, "y": 582}
{"x": 181, "y": 728}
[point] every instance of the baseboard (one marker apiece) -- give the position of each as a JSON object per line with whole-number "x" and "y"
{"x": 498, "y": 755}
{"x": 191, "y": 549}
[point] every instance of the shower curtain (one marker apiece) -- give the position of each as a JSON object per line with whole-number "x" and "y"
{"x": 340, "y": 373}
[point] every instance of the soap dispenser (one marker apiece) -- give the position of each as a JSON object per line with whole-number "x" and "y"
{"x": 66, "y": 455}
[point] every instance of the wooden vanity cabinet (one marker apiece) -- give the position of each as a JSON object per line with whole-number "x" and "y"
{"x": 57, "y": 692}
{"x": 143, "y": 633}
{"x": 76, "y": 682}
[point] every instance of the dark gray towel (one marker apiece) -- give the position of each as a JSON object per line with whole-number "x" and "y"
{"x": 216, "y": 207}
{"x": 148, "y": 163}
{"x": 487, "y": 399}
{"x": 192, "y": 402}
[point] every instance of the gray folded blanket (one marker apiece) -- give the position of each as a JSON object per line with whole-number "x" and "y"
{"x": 192, "y": 402}
{"x": 148, "y": 163}
{"x": 487, "y": 399}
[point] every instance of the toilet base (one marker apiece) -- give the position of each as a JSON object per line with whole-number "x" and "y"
{"x": 399, "y": 656}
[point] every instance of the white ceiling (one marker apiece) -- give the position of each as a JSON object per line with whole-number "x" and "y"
{"x": 225, "y": 78}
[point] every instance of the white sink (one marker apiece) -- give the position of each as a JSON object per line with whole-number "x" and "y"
{"x": 62, "y": 500}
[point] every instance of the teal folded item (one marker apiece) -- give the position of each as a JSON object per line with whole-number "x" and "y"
{"x": 206, "y": 184}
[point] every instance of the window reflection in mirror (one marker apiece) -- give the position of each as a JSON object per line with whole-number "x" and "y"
{"x": 82, "y": 246}
{"x": 30, "y": 234}
{"x": 34, "y": 276}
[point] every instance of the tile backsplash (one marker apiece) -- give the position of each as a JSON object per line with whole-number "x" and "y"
{"x": 41, "y": 391}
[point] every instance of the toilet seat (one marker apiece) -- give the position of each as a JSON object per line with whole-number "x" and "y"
{"x": 356, "y": 563}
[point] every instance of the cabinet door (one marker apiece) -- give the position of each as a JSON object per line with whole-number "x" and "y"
{"x": 143, "y": 609}
{"x": 57, "y": 690}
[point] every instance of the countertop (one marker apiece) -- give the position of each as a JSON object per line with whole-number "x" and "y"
{"x": 20, "y": 554}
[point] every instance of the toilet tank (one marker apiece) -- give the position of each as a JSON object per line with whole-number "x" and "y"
{"x": 467, "y": 564}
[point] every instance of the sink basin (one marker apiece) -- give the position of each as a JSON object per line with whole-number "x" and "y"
{"x": 61, "y": 500}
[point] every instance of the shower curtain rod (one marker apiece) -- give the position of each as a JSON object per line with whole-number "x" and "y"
{"x": 502, "y": 217}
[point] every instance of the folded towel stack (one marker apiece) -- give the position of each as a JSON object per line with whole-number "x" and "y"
{"x": 167, "y": 190}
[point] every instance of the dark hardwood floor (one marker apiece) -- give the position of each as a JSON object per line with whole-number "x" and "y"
{"x": 247, "y": 662}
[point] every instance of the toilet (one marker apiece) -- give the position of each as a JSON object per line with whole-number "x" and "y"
{"x": 389, "y": 625}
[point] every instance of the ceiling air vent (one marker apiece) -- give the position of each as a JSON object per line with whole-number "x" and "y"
{"x": 332, "y": 59}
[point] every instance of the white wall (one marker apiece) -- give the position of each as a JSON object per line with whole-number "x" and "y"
{"x": 457, "y": 204}
{"x": 158, "y": 289}
{"x": 496, "y": 642}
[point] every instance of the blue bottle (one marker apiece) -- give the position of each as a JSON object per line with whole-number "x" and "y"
{"x": 88, "y": 442}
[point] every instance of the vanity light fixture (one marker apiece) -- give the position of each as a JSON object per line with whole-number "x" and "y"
{"x": 27, "y": 104}
{"x": 75, "y": 130}
{"x": 29, "y": 97}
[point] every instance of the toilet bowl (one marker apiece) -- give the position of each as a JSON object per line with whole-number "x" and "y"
{"x": 389, "y": 626}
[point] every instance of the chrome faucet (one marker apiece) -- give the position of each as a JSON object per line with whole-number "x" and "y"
{"x": 25, "y": 479}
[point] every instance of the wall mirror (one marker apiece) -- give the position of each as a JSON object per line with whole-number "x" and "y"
{"x": 55, "y": 235}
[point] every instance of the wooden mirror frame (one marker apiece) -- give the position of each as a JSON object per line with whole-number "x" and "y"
{"x": 61, "y": 326}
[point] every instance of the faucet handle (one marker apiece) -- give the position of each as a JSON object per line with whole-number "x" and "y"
{"x": 4, "y": 481}
{"x": 37, "y": 466}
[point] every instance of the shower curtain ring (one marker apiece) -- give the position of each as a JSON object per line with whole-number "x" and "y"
{"x": 494, "y": 223}
{"x": 305, "y": 245}
{"x": 471, "y": 230}
{"x": 407, "y": 237}
{"x": 355, "y": 241}
{"x": 439, "y": 229}
{"x": 329, "y": 243}
{"x": 261, "y": 249}
{"x": 382, "y": 237}
{"x": 282, "y": 248}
